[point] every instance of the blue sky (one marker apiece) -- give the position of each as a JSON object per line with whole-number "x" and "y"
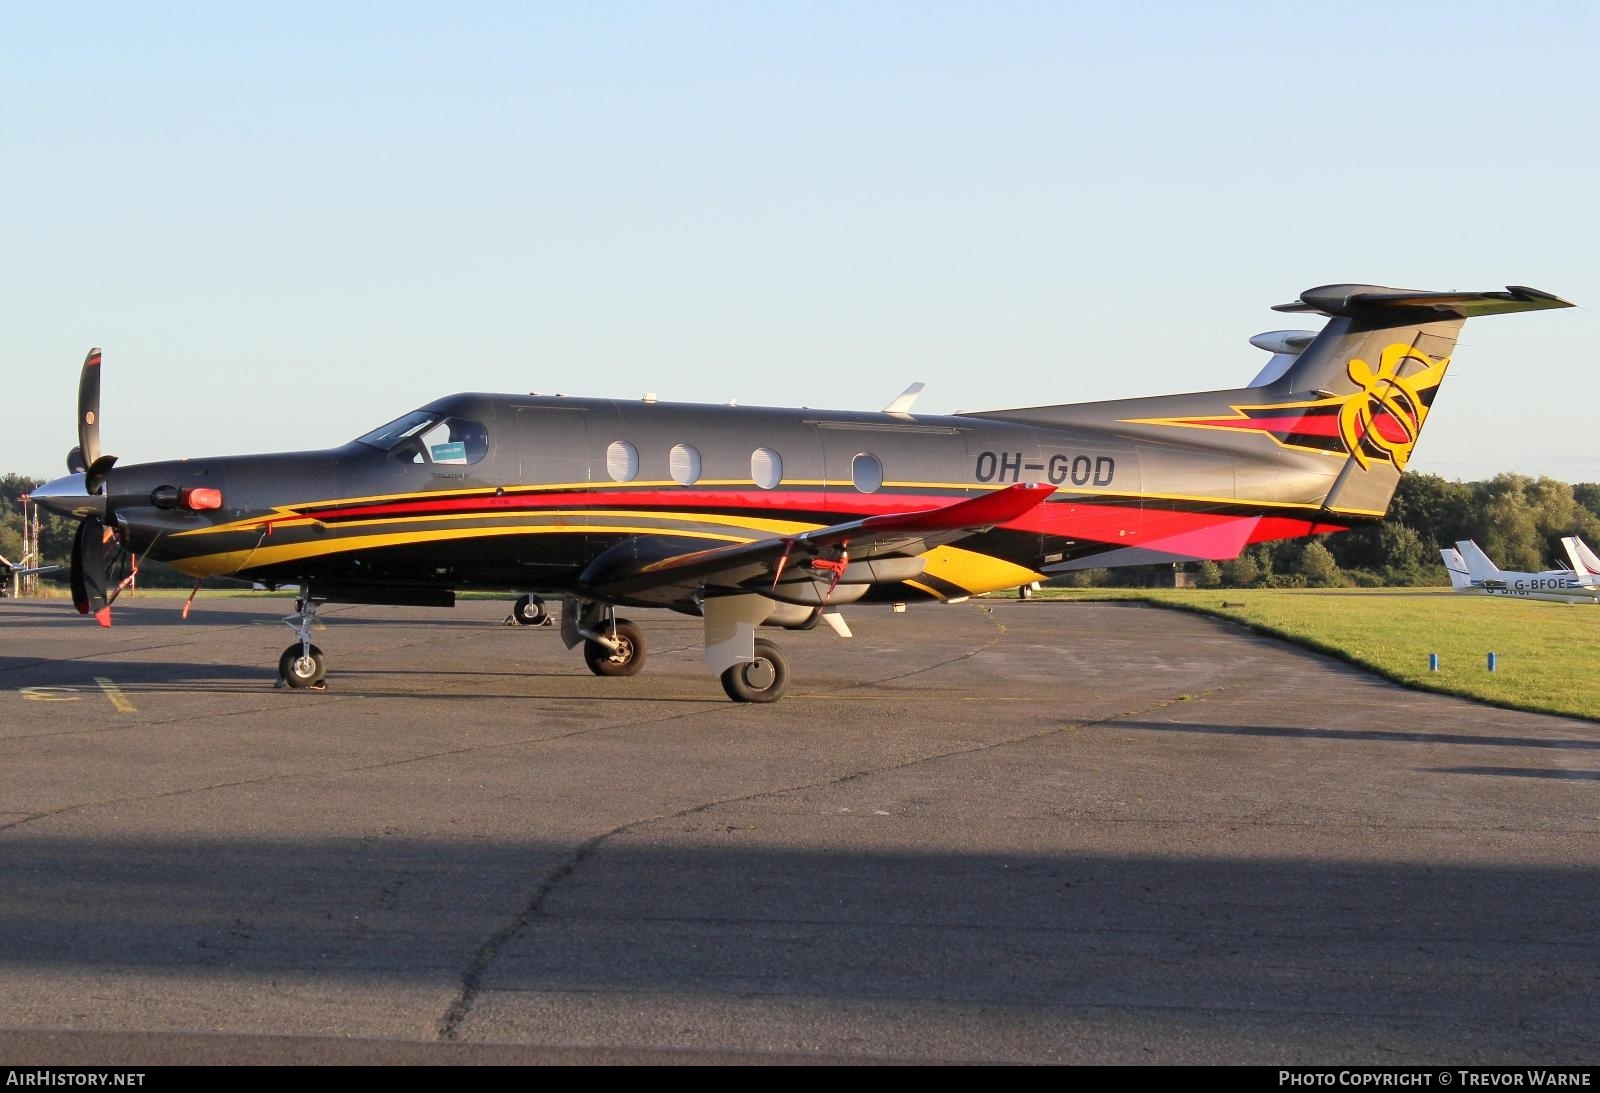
{"x": 288, "y": 223}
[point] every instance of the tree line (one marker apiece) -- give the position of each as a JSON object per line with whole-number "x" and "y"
{"x": 55, "y": 540}
{"x": 1517, "y": 521}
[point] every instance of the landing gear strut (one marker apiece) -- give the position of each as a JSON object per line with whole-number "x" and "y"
{"x": 302, "y": 665}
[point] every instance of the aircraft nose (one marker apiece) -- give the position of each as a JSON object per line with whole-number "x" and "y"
{"x": 68, "y": 497}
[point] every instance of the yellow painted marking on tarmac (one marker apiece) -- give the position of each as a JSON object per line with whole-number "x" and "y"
{"x": 114, "y": 693}
{"x": 49, "y": 694}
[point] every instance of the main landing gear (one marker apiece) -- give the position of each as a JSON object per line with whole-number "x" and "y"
{"x": 750, "y": 669}
{"x": 302, "y": 666}
{"x": 763, "y": 679}
{"x": 621, "y": 655}
{"x": 611, "y": 646}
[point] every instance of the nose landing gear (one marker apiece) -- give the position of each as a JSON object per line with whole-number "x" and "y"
{"x": 531, "y": 611}
{"x": 302, "y": 666}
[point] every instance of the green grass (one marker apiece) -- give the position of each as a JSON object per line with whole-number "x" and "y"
{"x": 1546, "y": 651}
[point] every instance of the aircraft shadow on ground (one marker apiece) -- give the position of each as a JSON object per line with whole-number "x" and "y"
{"x": 135, "y": 678}
{"x": 1328, "y": 940}
{"x": 1524, "y": 772}
{"x": 1382, "y": 736}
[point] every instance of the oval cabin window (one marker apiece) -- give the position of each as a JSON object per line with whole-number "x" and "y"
{"x": 866, "y": 471}
{"x": 622, "y": 461}
{"x": 684, "y": 463}
{"x": 766, "y": 468}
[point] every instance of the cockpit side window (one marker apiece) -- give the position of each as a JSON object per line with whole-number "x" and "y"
{"x": 423, "y": 437}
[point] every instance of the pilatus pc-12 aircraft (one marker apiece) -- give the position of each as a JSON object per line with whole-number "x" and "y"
{"x": 747, "y": 517}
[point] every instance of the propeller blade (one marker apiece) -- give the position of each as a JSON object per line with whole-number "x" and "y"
{"x": 75, "y": 462}
{"x": 95, "y": 557}
{"x": 94, "y": 480}
{"x": 80, "y": 591}
{"x": 89, "y": 409}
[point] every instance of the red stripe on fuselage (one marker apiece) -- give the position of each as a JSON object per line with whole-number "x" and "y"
{"x": 1123, "y": 522}
{"x": 755, "y": 501}
{"x": 1319, "y": 425}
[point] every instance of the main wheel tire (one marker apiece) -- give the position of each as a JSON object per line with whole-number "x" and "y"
{"x": 625, "y": 661}
{"x": 760, "y": 680}
{"x": 299, "y": 671}
{"x": 530, "y": 611}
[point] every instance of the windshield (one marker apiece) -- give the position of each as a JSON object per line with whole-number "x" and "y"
{"x": 425, "y": 437}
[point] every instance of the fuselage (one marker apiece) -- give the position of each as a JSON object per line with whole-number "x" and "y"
{"x": 1555, "y": 586}
{"x": 522, "y": 492}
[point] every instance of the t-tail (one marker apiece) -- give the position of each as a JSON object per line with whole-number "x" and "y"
{"x": 1375, "y": 370}
{"x": 1326, "y": 429}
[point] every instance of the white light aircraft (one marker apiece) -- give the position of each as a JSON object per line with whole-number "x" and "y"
{"x": 1473, "y": 573}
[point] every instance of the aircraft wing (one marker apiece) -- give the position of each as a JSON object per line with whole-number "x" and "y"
{"x": 21, "y": 570}
{"x": 864, "y": 551}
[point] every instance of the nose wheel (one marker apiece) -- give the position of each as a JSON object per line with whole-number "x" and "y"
{"x": 763, "y": 679}
{"x": 530, "y": 611}
{"x": 303, "y": 668}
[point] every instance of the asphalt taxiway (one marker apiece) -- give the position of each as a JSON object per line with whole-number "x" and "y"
{"x": 1004, "y": 830}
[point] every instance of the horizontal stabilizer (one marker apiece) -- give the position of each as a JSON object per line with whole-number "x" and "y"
{"x": 1358, "y": 301}
{"x": 1285, "y": 346}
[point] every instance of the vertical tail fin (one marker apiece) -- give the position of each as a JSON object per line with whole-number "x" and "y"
{"x": 1479, "y": 567}
{"x": 1584, "y": 562}
{"x": 1457, "y": 568}
{"x": 1378, "y": 365}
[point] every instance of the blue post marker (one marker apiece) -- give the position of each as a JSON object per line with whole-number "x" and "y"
{"x": 1433, "y": 662}
{"x": 1492, "y": 662}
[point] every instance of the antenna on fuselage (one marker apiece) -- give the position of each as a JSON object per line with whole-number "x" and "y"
{"x": 901, "y": 406}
